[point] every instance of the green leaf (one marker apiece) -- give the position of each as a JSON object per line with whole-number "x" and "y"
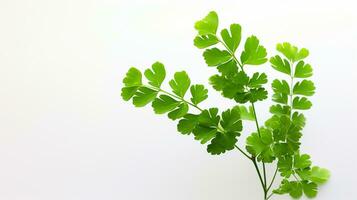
{"x": 204, "y": 41}
{"x": 204, "y": 133}
{"x": 302, "y": 161}
{"x": 301, "y": 103}
{"x": 156, "y": 75}
{"x": 132, "y": 78}
{"x": 208, "y": 25}
{"x": 280, "y": 65}
{"x": 319, "y": 175}
{"x": 280, "y": 110}
{"x": 229, "y": 68}
{"x": 128, "y": 92}
{"x": 233, "y": 38}
{"x": 280, "y": 98}
{"x": 231, "y": 121}
{"x": 181, "y": 111}
{"x": 310, "y": 189}
{"x": 144, "y": 96}
{"x": 292, "y": 52}
{"x": 164, "y": 104}
{"x": 215, "y": 56}
{"x": 285, "y": 166}
{"x": 253, "y": 54}
{"x": 222, "y": 142}
{"x": 246, "y": 114}
{"x": 180, "y": 83}
{"x": 298, "y": 119}
{"x": 187, "y": 123}
{"x": 257, "y": 80}
{"x": 218, "y": 82}
{"x": 199, "y": 93}
{"x": 303, "y": 70}
{"x": 295, "y": 189}
{"x": 304, "y": 87}
{"x": 132, "y": 83}
{"x": 258, "y": 94}
{"x": 260, "y": 145}
{"x": 209, "y": 118}
{"x": 281, "y": 87}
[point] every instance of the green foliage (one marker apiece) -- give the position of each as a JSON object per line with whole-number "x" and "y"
{"x": 199, "y": 93}
{"x": 215, "y": 56}
{"x": 277, "y": 141}
{"x": 232, "y": 38}
{"x": 180, "y": 83}
{"x": 253, "y": 54}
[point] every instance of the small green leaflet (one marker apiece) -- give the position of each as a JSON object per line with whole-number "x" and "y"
{"x": 199, "y": 93}
{"x": 319, "y": 175}
{"x": 296, "y": 189}
{"x": 215, "y": 56}
{"x": 257, "y": 80}
{"x": 280, "y": 65}
{"x": 280, "y": 98}
{"x": 180, "y": 83}
{"x": 285, "y": 166}
{"x": 156, "y": 75}
{"x": 229, "y": 68}
{"x": 310, "y": 189}
{"x": 280, "y": 110}
{"x": 187, "y": 123}
{"x": 298, "y": 119}
{"x": 303, "y": 70}
{"x": 209, "y": 118}
{"x": 260, "y": 145}
{"x": 204, "y": 133}
{"x": 231, "y": 120}
{"x": 301, "y": 103}
{"x": 132, "y": 83}
{"x": 204, "y": 41}
{"x": 208, "y": 25}
{"x": 257, "y": 94}
{"x": 280, "y": 87}
{"x": 233, "y": 38}
{"x": 246, "y": 113}
{"x": 253, "y": 54}
{"x": 207, "y": 125}
{"x": 302, "y": 161}
{"x": 221, "y": 143}
{"x": 181, "y": 111}
{"x": 293, "y": 188}
{"x": 133, "y": 78}
{"x": 164, "y": 104}
{"x": 292, "y": 52}
{"x": 304, "y": 87}
{"x": 143, "y": 96}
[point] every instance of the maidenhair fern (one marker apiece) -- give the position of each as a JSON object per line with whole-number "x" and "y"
{"x": 277, "y": 141}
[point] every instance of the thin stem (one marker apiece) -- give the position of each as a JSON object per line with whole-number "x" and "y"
{"x": 270, "y": 196}
{"x": 258, "y": 129}
{"x": 245, "y": 154}
{"x": 260, "y": 176}
{"x": 272, "y": 181}
{"x": 291, "y": 87}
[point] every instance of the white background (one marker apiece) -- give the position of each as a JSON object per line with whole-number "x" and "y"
{"x": 65, "y": 133}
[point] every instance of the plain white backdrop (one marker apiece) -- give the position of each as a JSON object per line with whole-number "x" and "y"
{"x": 65, "y": 133}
